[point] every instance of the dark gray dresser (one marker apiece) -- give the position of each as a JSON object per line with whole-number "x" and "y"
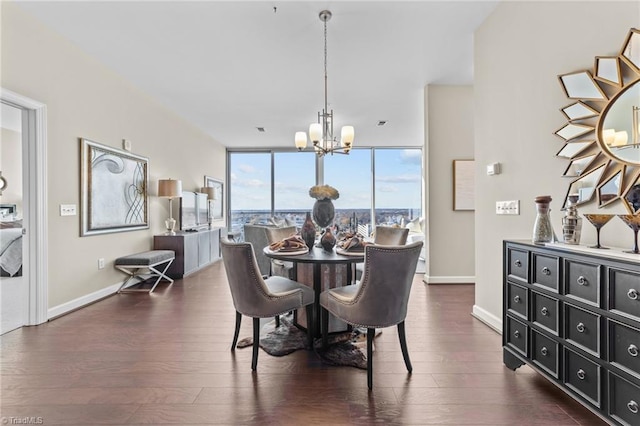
{"x": 573, "y": 314}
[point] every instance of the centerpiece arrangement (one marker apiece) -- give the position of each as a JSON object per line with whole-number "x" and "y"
{"x": 323, "y": 214}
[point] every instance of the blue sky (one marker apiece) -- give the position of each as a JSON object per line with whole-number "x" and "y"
{"x": 398, "y": 179}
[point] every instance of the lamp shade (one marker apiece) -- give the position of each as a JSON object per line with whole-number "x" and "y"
{"x": 346, "y": 135}
{"x": 315, "y": 132}
{"x": 169, "y": 188}
{"x": 210, "y": 191}
{"x": 301, "y": 140}
{"x": 609, "y": 136}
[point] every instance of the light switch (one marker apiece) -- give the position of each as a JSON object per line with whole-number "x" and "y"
{"x": 67, "y": 209}
{"x": 508, "y": 207}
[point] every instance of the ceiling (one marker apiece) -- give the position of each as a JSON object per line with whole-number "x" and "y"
{"x": 230, "y": 67}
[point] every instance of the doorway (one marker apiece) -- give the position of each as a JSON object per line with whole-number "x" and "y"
{"x": 13, "y": 285}
{"x": 23, "y": 213}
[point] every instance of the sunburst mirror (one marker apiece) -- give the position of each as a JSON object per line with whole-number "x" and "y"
{"x": 602, "y": 133}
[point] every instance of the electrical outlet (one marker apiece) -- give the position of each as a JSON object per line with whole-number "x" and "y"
{"x": 67, "y": 210}
{"x": 101, "y": 263}
{"x": 508, "y": 207}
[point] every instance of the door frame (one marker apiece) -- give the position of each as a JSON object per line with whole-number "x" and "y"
{"x": 34, "y": 174}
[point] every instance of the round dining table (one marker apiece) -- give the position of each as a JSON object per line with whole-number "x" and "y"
{"x": 317, "y": 256}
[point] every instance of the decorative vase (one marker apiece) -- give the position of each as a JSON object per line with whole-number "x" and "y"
{"x": 308, "y": 231}
{"x": 542, "y": 229}
{"x": 328, "y": 240}
{"x": 323, "y": 212}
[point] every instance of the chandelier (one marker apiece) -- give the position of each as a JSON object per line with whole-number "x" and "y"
{"x": 321, "y": 133}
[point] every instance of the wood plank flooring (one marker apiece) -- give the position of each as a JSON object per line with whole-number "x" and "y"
{"x": 164, "y": 359}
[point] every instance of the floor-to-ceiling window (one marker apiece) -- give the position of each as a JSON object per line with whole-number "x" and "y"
{"x": 293, "y": 174}
{"x": 378, "y": 186}
{"x": 351, "y": 175}
{"x": 249, "y": 188}
{"x": 398, "y": 185}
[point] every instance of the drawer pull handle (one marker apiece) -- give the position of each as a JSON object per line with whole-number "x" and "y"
{"x": 633, "y": 294}
{"x": 581, "y": 374}
{"x": 580, "y": 327}
{"x": 632, "y": 406}
{"x": 516, "y": 334}
{"x": 633, "y": 350}
{"x": 581, "y": 280}
{"x": 544, "y": 311}
{"x": 546, "y": 271}
{"x": 518, "y": 263}
{"x": 544, "y": 351}
{"x": 516, "y": 299}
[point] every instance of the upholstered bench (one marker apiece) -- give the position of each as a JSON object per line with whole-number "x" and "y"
{"x": 133, "y": 264}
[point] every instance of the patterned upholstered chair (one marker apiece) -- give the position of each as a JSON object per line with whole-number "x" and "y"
{"x": 379, "y": 300}
{"x": 258, "y": 298}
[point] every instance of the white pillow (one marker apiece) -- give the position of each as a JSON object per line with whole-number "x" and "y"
{"x": 415, "y": 225}
{"x": 278, "y": 221}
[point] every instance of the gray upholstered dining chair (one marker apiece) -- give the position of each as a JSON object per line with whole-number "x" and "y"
{"x": 379, "y": 300}
{"x": 258, "y": 298}
{"x": 386, "y": 236}
{"x": 280, "y": 267}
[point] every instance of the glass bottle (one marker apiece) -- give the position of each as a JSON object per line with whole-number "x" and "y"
{"x": 571, "y": 226}
{"x": 542, "y": 229}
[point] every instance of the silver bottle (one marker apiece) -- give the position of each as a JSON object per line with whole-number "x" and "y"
{"x": 571, "y": 226}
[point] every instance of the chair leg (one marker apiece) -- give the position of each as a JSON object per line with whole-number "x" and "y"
{"x": 309, "y": 309}
{"x": 237, "y": 332}
{"x": 371, "y": 332}
{"x": 324, "y": 327}
{"x": 277, "y": 321}
{"x": 256, "y": 343}
{"x": 403, "y": 346}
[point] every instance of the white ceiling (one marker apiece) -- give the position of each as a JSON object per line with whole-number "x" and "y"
{"x": 229, "y": 67}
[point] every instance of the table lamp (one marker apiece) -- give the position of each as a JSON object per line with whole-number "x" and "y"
{"x": 211, "y": 195}
{"x": 170, "y": 188}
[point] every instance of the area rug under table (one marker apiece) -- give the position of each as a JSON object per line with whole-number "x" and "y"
{"x": 348, "y": 348}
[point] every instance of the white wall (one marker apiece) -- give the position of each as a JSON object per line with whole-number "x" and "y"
{"x": 85, "y": 99}
{"x": 519, "y": 52}
{"x": 450, "y": 137}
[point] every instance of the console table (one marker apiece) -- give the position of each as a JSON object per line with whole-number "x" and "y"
{"x": 573, "y": 314}
{"x": 194, "y": 250}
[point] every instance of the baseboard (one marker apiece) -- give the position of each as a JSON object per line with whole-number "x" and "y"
{"x": 80, "y": 302}
{"x": 487, "y": 318}
{"x": 448, "y": 280}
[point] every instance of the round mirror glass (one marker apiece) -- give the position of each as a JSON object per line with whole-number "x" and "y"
{"x": 618, "y": 128}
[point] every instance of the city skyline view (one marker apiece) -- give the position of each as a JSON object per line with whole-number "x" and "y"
{"x": 397, "y": 183}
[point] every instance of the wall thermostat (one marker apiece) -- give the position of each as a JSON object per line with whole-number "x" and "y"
{"x": 493, "y": 169}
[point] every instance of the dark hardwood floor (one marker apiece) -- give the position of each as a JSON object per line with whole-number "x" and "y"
{"x": 164, "y": 359}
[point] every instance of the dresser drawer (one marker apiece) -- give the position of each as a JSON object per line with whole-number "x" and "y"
{"x": 545, "y": 353}
{"x": 517, "y": 300}
{"x": 624, "y": 347}
{"x": 624, "y": 400}
{"x": 624, "y": 293}
{"x": 546, "y": 271}
{"x": 518, "y": 264}
{"x": 582, "y": 281}
{"x": 545, "y": 312}
{"x": 516, "y": 336}
{"x": 582, "y": 328}
{"x": 583, "y": 376}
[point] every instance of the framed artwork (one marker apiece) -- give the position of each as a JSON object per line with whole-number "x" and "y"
{"x": 464, "y": 185}
{"x": 216, "y": 206}
{"x": 113, "y": 195}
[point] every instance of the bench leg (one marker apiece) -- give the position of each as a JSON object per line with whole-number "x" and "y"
{"x": 133, "y": 271}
